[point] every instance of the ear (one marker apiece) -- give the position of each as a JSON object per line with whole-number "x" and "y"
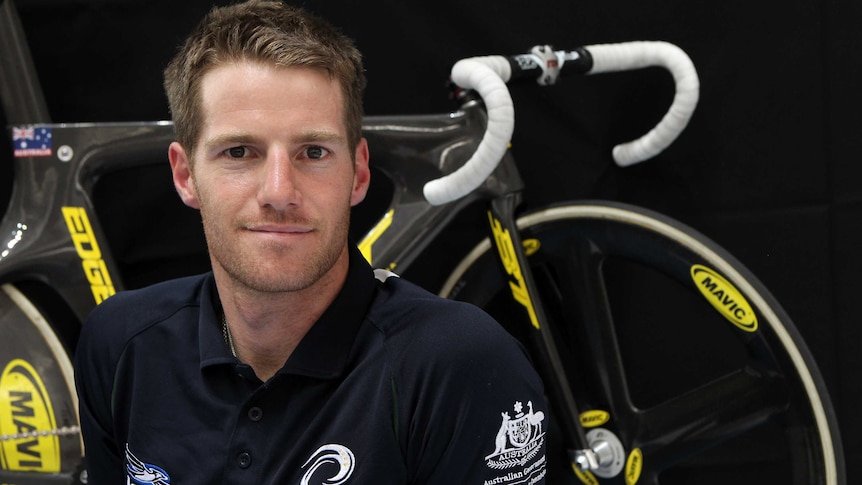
{"x": 183, "y": 179}
{"x": 362, "y": 174}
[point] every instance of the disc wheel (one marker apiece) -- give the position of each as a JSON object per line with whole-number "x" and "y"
{"x": 673, "y": 348}
{"x": 40, "y": 440}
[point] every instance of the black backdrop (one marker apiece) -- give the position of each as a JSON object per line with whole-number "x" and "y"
{"x": 769, "y": 166}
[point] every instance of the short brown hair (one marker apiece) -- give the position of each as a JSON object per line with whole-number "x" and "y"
{"x": 261, "y": 31}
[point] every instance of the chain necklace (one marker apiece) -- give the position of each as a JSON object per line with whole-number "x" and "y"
{"x": 225, "y": 331}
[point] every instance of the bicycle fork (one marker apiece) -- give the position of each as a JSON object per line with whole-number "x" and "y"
{"x": 512, "y": 258}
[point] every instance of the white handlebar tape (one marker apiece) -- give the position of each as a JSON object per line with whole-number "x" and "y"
{"x": 635, "y": 55}
{"x": 485, "y": 75}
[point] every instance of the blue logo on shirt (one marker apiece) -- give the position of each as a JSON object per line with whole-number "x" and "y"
{"x": 141, "y": 473}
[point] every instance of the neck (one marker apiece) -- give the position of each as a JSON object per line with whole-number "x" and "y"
{"x": 266, "y": 327}
{"x": 265, "y": 359}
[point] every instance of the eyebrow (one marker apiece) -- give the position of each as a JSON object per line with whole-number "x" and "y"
{"x": 321, "y": 136}
{"x": 235, "y": 138}
{"x": 244, "y": 138}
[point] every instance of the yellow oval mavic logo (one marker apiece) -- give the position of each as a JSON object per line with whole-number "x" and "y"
{"x": 25, "y": 408}
{"x": 724, "y": 297}
{"x": 634, "y": 466}
{"x": 531, "y": 246}
{"x": 595, "y": 417}
{"x": 585, "y": 476}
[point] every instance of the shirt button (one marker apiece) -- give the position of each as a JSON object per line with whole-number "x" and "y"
{"x": 244, "y": 459}
{"x": 255, "y": 413}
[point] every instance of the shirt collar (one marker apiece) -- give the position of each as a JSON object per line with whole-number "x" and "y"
{"x": 213, "y": 349}
{"x": 324, "y": 350}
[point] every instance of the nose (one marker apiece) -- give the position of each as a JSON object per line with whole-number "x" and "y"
{"x": 278, "y": 185}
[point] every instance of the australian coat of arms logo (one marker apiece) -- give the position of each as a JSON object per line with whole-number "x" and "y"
{"x": 519, "y": 439}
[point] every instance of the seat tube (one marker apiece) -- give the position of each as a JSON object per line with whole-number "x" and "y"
{"x": 513, "y": 260}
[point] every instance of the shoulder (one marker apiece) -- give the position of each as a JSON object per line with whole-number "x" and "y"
{"x": 427, "y": 330}
{"x": 455, "y": 373}
{"x": 121, "y": 324}
{"x": 402, "y": 306}
{"x": 129, "y": 312}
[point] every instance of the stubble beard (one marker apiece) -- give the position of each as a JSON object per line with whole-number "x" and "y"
{"x": 249, "y": 268}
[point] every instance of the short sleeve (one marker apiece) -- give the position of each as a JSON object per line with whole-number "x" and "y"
{"x": 95, "y": 364}
{"x": 476, "y": 405}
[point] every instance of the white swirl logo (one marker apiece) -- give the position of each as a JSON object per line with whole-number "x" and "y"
{"x": 336, "y": 454}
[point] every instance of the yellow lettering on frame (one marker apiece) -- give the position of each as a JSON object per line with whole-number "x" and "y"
{"x": 506, "y": 248}
{"x": 84, "y": 240}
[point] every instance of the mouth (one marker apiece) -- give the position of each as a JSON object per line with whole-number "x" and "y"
{"x": 279, "y": 234}
{"x": 286, "y": 229}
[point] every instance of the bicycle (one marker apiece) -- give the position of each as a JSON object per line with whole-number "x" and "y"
{"x": 551, "y": 277}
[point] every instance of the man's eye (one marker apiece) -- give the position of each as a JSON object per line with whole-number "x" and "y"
{"x": 315, "y": 152}
{"x": 237, "y": 152}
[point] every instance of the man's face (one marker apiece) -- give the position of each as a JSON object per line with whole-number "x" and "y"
{"x": 273, "y": 175}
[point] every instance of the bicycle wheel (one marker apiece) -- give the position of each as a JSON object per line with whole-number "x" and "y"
{"x": 686, "y": 369}
{"x": 40, "y": 438}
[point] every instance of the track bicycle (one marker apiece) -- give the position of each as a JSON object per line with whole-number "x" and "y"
{"x": 727, "y": 392}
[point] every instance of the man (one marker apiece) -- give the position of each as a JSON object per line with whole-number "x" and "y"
{"x": 290, "y": 363}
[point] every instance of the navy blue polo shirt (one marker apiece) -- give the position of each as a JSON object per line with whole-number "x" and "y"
{"x": 392, "y": 385}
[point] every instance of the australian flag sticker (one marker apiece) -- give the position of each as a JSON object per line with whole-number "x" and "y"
{"x": 31, "y": 141}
